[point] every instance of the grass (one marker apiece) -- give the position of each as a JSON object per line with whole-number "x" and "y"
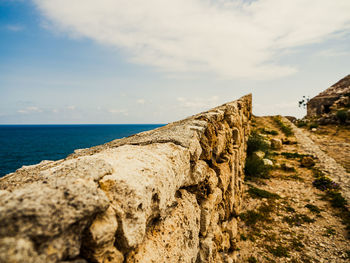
{"x": 290, "y": 155}
{"x": 286, "y": 168}
{"x": 313, "y": 125}
{"x": 255, "y": 168}
{"x": 252, "y": 259}
{"x": 296, "y": 244}
{"x": 278, "y": 251}
{"x": 255, "y": 192}
{"x": 262, "y": 214}
{"x": 342, "y": 116}
{"x": 323, "y": 183}
{"x": 333, "y": 195}
{"x": 313, "y": 208}
{"x": 329, "y": 231}
{"x": 301, "y": 123}
{"x": 266, "y": 131}
{"x": 297, "y": 219}
{"x": 256, "y": 143}
{"x": 285, "y": 128}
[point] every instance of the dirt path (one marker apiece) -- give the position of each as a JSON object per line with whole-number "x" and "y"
{"x": 285, "y": 218}
{"x": 326, "y": 163}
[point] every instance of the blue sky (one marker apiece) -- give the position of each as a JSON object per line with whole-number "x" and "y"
{"x": 64, "y": 61}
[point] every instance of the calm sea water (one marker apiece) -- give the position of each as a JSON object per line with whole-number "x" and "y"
{"x": 29, "y": 144}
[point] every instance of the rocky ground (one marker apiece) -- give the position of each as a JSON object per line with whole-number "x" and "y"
{"x": 285, "y": 217}
{"x": 335, "y": 141}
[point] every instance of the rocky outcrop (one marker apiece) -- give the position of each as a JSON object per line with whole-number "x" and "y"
{"x": 325, "y": 105}
{"x": 167, "y": 195}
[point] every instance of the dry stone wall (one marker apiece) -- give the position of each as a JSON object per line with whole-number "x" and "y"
{"x": 167, "y": 195}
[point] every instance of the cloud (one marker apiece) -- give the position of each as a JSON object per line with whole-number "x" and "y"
{"x": 141, "y": 101}
{"x": 198, "y": 103}
{"x": 230, "y": 38}
{"x": 71, "y": 107}
{"x": 14, "y": 28}
{"x": 119, "y": 111}
{"x": 333, "y": 53}
{"x": 29, "y": 110}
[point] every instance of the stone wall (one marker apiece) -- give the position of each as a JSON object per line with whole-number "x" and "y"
{"x": 335, "y": 97}
{"x": 167, "y": 195}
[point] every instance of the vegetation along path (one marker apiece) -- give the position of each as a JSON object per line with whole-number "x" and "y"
{"x": 294, "y": 211}
{"x": 325, "y": 163}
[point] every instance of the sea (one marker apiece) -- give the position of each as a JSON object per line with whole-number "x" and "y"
{"x": 30, "y": 144}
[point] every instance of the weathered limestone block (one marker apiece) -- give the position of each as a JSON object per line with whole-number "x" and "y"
{"x": 174, "y": 239}
{"x": 276, "y": 143}
{"x": 98, "y": 243}
{"x": 258, "y": 155}
{"x": 15, "y": 250}
{"x": 144, "y": 185}
{"x": 44, "y": 212}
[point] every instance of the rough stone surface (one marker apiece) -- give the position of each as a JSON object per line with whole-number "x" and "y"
{"x": 333, "y": 98}
{"x": 174, "y": 239}
{"x": 258, "y": 155}
{"x": 276, "y": 143}
{"x": 170, "y": 194}
{"x": 326, "y": 163}
{"x": 307, "y": 161}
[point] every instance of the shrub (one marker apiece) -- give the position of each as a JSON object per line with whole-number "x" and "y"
{"x": 313, "y": 125}
{"x": 256, "y": 143}
{"x": 325, "y": 184}
{"x": 256, "y": 168}
{"x": 266, "y": 131}
{"x": 337, "y": 200}
{"x": 252, "y": 259}
{"x": 301, "y": 123}
{"x": 342, "y": 115}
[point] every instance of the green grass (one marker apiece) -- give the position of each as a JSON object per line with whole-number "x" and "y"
{"x": 286, "y": 168}
{"x": 313, "y": 208}
{"x": 252, "y": 259}
{"x": 278, "y": 251}
{"x": 290, "y": 155}
{"x": 333, "y": 195}
{"x": 285, "y": 128}
{"x": 256, "y": 143}
{"x": 342, "y": 115}
{"x": 313, "y": 125}
{"x": 329, "y": 231}
{"x": 266, "y": 131}
{"x": 255, "y": 192}
{"x": 301, "y": 123}
{"x": 262, "y": 214}
{"x": 297, "y": 219}
{"x": 255, "y": 168}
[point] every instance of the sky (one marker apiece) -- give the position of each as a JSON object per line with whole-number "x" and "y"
{"x": 156, "y": 61}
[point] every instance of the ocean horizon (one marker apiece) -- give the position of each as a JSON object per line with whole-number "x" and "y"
{"x": 28, "y": 144}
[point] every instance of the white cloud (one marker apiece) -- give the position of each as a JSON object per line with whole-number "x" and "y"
{"x": 198, "y": 103}
{"x": 119, "y": 111}
{"x": 71, "y": 107}
{"x": 141, "y": 101}
{"x": 14, "y": 28}
{"x": 231, "y": 38}
{"x": 333, "y": 53}
{"x": 29, "y": 110}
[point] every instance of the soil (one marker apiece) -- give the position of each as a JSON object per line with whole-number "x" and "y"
{"x": 293, "y": 221}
